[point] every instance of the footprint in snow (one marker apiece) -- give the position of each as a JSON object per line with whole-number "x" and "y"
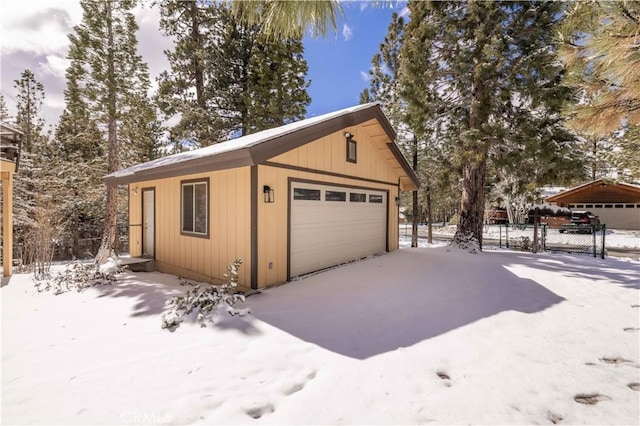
{"x": 260, "y": 410}
{"x": 634, "y": 386}
{"x": 631, "y": 329}
{"x": 615, "y": 360}
{"x": 445, "y": 377}
{"x": 297, "y": 386}
{"x": 590, "y": 398}
{"x": 553, "y": 417}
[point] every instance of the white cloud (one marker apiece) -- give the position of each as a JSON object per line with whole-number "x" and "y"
{"x": 30, "y": 27}
{"x": 347, "y": 32}
{"x": 54, "y": 66}
{"x": 365, "y": 76}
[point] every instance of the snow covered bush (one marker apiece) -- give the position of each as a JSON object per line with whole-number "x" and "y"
{"x": 78, "y": 276}
{"x": 221, "y": 297}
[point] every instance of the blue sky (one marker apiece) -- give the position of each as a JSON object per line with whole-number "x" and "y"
{"x": 339, "y": 63}
{"x": 33, "y": 35}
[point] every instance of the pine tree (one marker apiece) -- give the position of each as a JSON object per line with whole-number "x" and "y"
{"x": 278, "y": 89}
{"x": 186, "y": 90}
{"x": 385, "y": 88}
{"x": 599, "y": 43}
{"x": 488, "y": 84}
{"x": 226, "y": 78}
{"x": 111, "y": 79}
{"x": 28, "y": 105}
{"x": 4, "y": 111}
{"x": 35, "y": 232}
{"x": 285, "y": 19}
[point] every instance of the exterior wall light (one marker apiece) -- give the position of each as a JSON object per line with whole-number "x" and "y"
{"x": 352, "y": 148}
{"x": 397, "y": 201}
{"x": 268, "y": 194}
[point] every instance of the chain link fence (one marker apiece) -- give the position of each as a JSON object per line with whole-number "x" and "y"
{"x": 582, "y": 239}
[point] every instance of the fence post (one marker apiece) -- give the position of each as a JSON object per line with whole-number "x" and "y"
{"x": 604, "y": 232}
{"x": 544, "y": 237}
{"x": 506, "y": 228}
{"x": 500, "y": 228}
{"x": 595, "y": 245}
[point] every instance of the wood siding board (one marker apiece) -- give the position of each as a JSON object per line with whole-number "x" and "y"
{"x": 325, "y": 173}
{"x": 254, "y": 227}
{"x": 267, "y": 149}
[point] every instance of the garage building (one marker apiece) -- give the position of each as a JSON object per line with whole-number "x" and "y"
{"x": 616, "y": 203}
{"x": 288, "y": 201}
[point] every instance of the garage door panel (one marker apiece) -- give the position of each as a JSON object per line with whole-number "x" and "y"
{"x": 325, "y": 233}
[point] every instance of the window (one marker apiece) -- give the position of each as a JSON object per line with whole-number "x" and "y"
{"x": 352, "y": 151}
{"x": 355, "y": 197}
{"x": 335, "y": 196}
{"x": 619, "y": 206}
{"x": 306, "y": 194}
{"x": 588, "y": 206}
{"x": 195, "y": 208}
{"x": 375, "y": 198}
{"x": 608, "y": 206}
{"x": 629, "y": 206}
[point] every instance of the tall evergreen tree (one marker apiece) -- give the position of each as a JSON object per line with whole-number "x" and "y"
{"x": 34, "y": 234}
{"x": 487, "y": 81}
{"x": 112, "y": 78}
{"x": 4, "y": 111}
{"x": 226, "y": 77}
{"x": 384, "y": 81}
{"x": 186, "y": 89}
{"x": 278, "y": 87}
{"x": 28, "y": 105}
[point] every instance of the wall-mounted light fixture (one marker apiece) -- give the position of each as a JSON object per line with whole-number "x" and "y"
{"x": 268, "y": 194}
{"x": 352, "y": 148}
{"x": 135, "y": 190}
{"x": 397, "y": 201}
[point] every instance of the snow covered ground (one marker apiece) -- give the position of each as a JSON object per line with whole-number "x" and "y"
{"x": 426, "y": 335}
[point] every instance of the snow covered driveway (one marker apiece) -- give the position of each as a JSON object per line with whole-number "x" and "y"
{"x": 416, "y": 336}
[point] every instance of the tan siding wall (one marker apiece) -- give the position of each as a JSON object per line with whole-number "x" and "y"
{"x": 328, "y": 154}
{"x": 375, "y": 161}
{"x": 193, "y": 257}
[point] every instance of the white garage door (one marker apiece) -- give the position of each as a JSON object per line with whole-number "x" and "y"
{"x": 332, "y": 225}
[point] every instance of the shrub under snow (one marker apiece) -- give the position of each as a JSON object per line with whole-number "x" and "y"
{"x": 78, "y": 276}
{"x": 221, "y": 297}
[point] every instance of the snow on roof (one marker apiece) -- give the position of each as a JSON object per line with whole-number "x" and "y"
{"x": 602, "y": 182}
{"x": 236, "y": 144}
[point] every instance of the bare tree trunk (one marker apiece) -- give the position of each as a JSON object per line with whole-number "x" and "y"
{"x": 474, "y": 151}
{"x": 109, "y": 233}
{"x": 416, "y": 211}
{"x": 429, "y": 215}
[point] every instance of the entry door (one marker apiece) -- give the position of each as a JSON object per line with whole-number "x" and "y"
{"x": 148, "y": 222}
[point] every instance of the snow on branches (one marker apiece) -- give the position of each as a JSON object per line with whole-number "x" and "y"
{"x": 206, "y": 302}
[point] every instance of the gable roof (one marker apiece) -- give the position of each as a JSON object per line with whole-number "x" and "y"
{"x": 10, "y": 143}
{"x": 258, "y": 147}
{"x": 598, "y": 183}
